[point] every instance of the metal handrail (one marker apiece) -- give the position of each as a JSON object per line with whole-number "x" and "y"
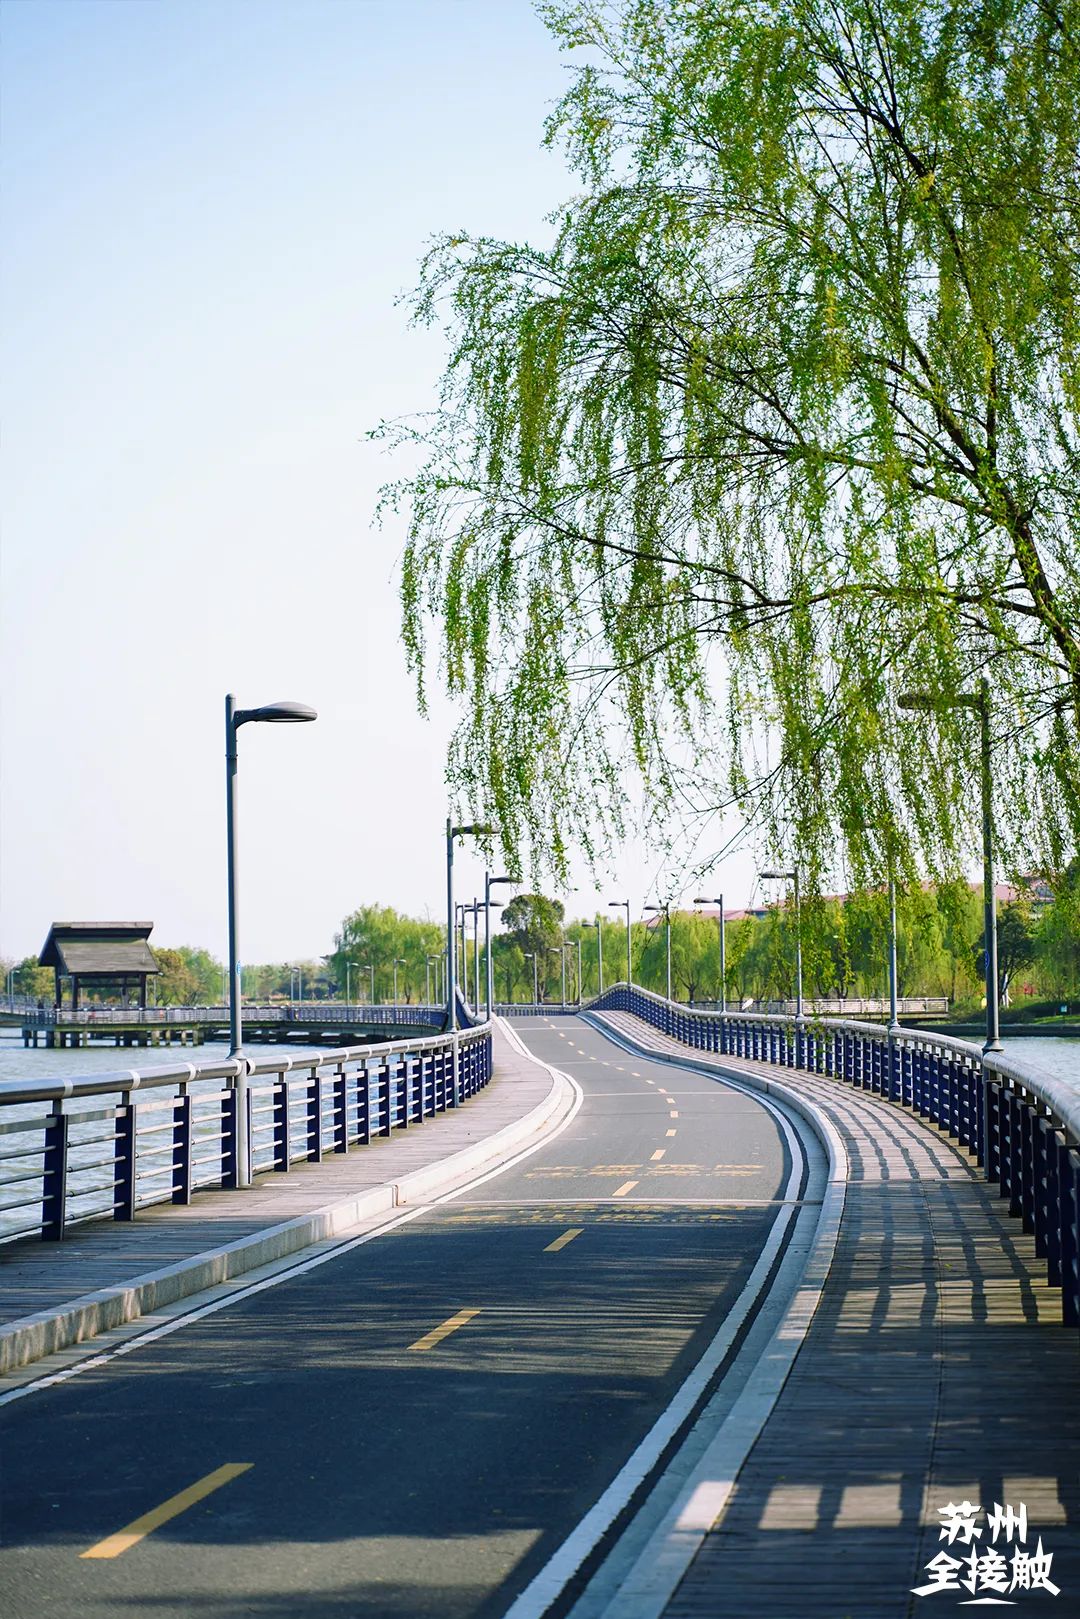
{"x": 1021, "y": 1126}
{"x": 327, "y": 1101}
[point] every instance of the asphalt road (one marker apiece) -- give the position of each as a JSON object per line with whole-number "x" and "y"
{"x": 415, "y": 1426}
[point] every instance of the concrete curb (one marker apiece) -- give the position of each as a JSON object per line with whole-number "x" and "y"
{"x": 32, "y": 1337}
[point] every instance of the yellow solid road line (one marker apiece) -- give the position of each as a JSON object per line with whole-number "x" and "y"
{"x": 561, "y": 1242}
{"x": 627, "y": 1186}
{"x": 437, "y": 1334}
{"x": 658, "y": 1154}
{"x": 115, "y": 1544}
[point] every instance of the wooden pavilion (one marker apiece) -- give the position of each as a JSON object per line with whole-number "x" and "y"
{"x": 111, "y": 957}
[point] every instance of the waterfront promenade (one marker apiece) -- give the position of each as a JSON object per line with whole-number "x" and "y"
{"x": 431, "y": 1423}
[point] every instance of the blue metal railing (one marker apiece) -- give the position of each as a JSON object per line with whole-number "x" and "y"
{"x": 75, "y": 1162}
{"x": 1021, "y": 1127}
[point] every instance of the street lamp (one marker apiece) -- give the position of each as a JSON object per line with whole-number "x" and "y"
{"x": 531, "y": 955}
{"x": 665, "y": 912}
{"x": 792, "y": 876}
{"x": 723, "y": 961}
{"x": 369, "y": 968}
{"x": 489, "y": 976}
{"x": 618, "y": 905}
{"x": 452, "y": 832}
{"x": 399, "y": 961}
{"x": 348, "y": 968}
{"x": 979, "y": 703}
{"x": 579, "y": 972}
{"x": 299, "y": 972}
{"x": 599, "y": 957}
{"x": 273, "y": 714}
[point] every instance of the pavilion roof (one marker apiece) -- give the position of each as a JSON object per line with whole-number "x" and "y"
{"x": 99, "y": 949}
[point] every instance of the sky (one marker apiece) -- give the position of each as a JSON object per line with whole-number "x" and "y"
{"x": 210, "y": 213}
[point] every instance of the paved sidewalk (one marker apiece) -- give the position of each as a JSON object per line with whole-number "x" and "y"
{"x": 935, "y": 1370}
{"x": 39, "y": 1279}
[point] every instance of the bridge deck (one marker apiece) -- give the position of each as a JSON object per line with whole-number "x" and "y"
{"x": 936, "y": 1369}
{"x": 37, "y": 1276}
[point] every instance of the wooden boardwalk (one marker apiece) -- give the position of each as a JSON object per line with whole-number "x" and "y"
{"x": 936, "y": 1370}
{"x": 37, "y": 1276}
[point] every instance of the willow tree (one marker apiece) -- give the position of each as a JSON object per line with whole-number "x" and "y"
{"x": 781, "y": 421}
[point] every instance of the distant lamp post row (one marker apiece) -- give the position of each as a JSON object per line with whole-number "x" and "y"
{"x": 269, "y": 714}
{"x": 473, "y": 830}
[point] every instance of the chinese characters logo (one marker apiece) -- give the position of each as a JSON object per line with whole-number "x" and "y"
{"x": 983, "y": 1570}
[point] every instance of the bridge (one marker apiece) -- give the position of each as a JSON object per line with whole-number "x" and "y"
{"x": 628, "y": 1309}
{"x": 192, "y": 1025}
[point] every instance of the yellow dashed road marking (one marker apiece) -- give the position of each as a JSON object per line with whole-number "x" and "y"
{"x": 670, "y": 1132}
{"x": 561, "y": 1242}
{"x": 621, "y": 1191}
{"x": 437, "y": 1334}
{"x": 674, "y": 1114}
{"x": 115, "y": 1544}
{"x": 658, "y": 1154}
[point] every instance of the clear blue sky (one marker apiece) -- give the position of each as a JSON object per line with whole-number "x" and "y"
{"x": 209, "y": 211}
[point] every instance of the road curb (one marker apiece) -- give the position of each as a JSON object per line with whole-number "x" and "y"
{"x": 32, "y": 1337}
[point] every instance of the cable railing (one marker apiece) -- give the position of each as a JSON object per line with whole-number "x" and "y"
{"x": 1020, "y": 1125}
{"x": 169, "y": 1131}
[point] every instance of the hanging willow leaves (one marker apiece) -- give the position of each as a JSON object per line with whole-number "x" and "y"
{"x": 781, "y": 423}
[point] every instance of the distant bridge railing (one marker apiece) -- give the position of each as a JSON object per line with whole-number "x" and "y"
{"x": 47, "y": 1017}
{"x": 168, "y": 1131}
{"x": 1021, "y": 1126}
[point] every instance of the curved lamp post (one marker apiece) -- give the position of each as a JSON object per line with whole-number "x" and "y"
{"x": 269, "y": 714}
{"x": 399, "y": 961}
{"x": 619, "y": 905}
{"x": 723, "y": 959}
{"x": 665, "y": 912}
{"x": 531, "y": 955}
{"x": 792, "y": 876}
{"x": 489, "y": 975}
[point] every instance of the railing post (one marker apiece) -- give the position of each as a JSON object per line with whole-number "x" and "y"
{"x": 124, "y": 1163}
{"x": 229, "y": 1155}
{"x": 54, "y": 1175}
{"x": 181, "y": 1192}
{"x": 282, "y": 1145}
{"x": 314, "y": 1117}
{"x": 1069, "y": 1227}
{"x": 341, "y": 1110}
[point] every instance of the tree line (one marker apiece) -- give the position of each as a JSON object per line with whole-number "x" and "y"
{"x": 844, "y": 940}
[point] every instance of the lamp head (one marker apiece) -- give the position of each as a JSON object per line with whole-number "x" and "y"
{"x": 275, "y": 714}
